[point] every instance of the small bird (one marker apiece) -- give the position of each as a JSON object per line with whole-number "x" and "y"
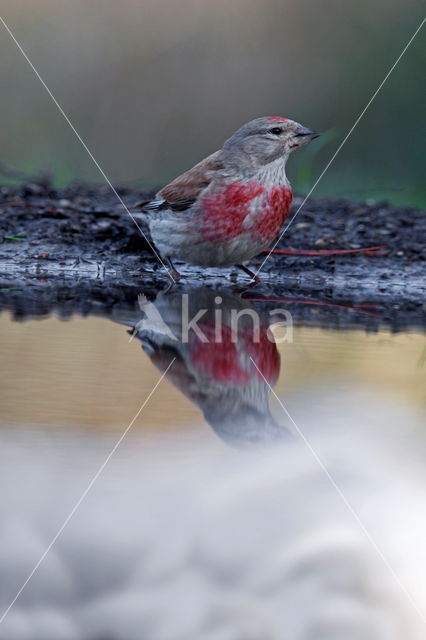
{"x": 232, "y": 205}
{"x": 216, "y": 359}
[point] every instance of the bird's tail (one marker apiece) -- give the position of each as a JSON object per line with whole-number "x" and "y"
{"x": 145, "y": 206}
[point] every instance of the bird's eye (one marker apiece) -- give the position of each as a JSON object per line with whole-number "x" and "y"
{"x": 276, "y": 131}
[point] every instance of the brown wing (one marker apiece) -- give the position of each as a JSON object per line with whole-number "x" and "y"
{"x": 182, "y": 192}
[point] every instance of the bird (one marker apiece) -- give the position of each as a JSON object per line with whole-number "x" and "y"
{"x": 218, "y": 344}
{"x": 232, "y": 205}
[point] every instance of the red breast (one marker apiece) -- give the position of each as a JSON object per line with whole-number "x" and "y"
{"x": 222, "y": 362}
{"x": 224, "y": 212}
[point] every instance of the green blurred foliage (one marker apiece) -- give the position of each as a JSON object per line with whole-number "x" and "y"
{"x": 154, "y": 85}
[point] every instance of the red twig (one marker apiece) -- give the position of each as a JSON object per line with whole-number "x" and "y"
{"x": 14, "y": 204}
{"x": 361, "y": 308}
{"x": 331, "y": 252}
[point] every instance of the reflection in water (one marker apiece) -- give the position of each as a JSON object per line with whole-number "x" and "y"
{"x": 220, "y": 343}
{"x": 183, "y": 540}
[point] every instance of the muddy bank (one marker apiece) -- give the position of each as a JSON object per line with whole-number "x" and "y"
{"x": 28, "y": 297}
{"x": 76, "y": 250}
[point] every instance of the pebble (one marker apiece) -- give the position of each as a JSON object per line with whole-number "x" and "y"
{"x": 33, "y": 189}
{"x": 102, "y": 225}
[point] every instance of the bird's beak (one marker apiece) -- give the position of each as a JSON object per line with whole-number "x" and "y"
{"x": 304, "y": 132}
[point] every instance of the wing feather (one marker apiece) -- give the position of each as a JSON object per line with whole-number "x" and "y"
{"x": 185, "y": 189}
{"x": 180, "y": 194}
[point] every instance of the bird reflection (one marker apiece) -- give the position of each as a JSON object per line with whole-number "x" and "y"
{"x": 226, "y": 358}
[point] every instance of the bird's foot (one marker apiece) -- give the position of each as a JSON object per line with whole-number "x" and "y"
{"x": 254, "y": 277}
{"x": 172, "y": 271}
{"x": 80, "y": 260}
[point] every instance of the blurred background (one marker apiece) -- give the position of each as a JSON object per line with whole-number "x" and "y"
{"x": 154, "y": 85}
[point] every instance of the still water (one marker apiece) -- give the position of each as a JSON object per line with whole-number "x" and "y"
{"x": 270, "y": 483}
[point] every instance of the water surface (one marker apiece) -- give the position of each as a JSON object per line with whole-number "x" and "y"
{"x": 267, "y": 469}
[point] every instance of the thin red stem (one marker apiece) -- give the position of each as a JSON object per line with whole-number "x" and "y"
{"x": 360, "y": 308}
{"x": 331, "y": 252}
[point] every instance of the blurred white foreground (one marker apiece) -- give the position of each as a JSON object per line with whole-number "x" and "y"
{"x": 185, "y": 539}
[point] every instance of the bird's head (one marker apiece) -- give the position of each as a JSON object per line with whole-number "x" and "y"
{"x": 266, "y": 139}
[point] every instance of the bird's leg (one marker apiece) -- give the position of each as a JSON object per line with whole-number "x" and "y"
{"x": 252, "y": 275}
{"x": 173, "y": 272}
{"x": 331, "y": 252}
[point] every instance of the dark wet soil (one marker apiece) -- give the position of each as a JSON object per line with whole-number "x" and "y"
{"x": 76, "y": 250}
